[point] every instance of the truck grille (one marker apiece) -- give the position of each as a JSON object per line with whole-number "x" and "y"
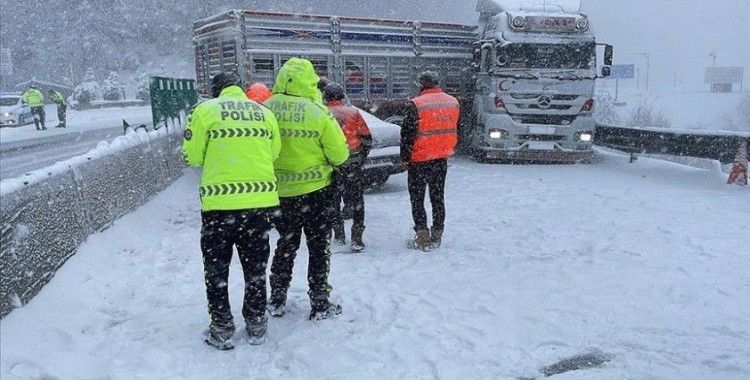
{"x": 562, "y": 107}
{"x": 544, "y": 119}
{"x": 568, "y": 98}
{"x": 541, "y": 137}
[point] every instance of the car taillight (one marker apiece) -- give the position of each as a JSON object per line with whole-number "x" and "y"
{"x": 499, "y": 104}
{"x": 588, "y": 106}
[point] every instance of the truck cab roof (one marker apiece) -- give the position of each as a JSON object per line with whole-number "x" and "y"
{"x": 545, "y": 6}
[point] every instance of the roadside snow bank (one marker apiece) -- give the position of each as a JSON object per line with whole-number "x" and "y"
{"x": 104, "y": 148}
{"x": 48, "y": 213}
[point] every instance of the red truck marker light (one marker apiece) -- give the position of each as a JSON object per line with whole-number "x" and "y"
{"x": 588, "y": 106}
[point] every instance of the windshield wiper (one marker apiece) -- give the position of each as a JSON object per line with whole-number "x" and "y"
{"x": 515, "y": 73}
{"x": 564, "y": 75}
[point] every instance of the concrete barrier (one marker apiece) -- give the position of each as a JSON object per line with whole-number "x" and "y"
{"x": 48, "y": 214}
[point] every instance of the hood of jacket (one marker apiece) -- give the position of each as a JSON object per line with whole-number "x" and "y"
{"x": 297, "y": 78}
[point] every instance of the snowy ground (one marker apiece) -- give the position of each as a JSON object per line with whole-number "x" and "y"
{"x": 23, "y": 149}
{"x": 644, "y": 263}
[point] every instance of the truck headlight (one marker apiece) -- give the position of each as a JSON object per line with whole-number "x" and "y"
{"x": 586, "y": 136}
{"x": 497, "y": 134}
{"x": 6, "y": 114}
{"x": 519, "y": 22}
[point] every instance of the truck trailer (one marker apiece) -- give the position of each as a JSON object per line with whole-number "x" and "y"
{"x": 377, "y": 61}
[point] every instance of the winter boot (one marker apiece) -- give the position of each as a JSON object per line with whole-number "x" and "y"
{"x": 256, "y": 329}
{"x": 422, "y": 240}
{"x": 324, "y": 310}
{"x": 436, "y": 237}
{"x": 220, "y": 336}
{"x": 357, "y": 244}
{"x": 277, "y": 303}
{"x": 339, "y": 236}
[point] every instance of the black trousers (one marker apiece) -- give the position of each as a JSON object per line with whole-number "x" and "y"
{"x": 312, "y": 214}
{"x": 429, "y": 175}
{"x": 39, "y": 112}
{"x": 247, "y": 230}
{"x": 348, "y": 186}
{"x": 61, "y": 113}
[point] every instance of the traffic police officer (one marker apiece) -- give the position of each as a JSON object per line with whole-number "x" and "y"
{"x": 62, "y": 107}
{"x": 236, "y": 141}
{"x": 35, "y": 100}
{"x": 428, "y": 138}
{"x": 312, "y": 145}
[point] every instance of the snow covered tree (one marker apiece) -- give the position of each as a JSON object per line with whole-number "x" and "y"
{"x": 112, "y": 88}
{"x": 143, "y": 91}
{"x": 646, "y": 117}
{"x": 87, "y": 91}
{"x": 605, "y": 112}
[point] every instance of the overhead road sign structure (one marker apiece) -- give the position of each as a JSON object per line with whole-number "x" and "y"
{"x": 721, "y": 75}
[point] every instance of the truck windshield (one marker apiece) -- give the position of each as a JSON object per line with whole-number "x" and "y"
{"x": 547, "y": 56}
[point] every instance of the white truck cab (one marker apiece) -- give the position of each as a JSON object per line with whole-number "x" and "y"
{"x": 536, "y": 69}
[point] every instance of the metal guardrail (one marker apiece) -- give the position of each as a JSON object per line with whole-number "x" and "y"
{"x": 723, "y": 146}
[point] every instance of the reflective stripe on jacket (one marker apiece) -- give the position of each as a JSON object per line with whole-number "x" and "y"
{"x": 437, "y": 133}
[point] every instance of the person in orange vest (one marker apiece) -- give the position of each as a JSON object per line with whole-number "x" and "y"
{"x": 258, "y": 92}
{"x": 348, "y": 177}
{"x": 428, "y": 137}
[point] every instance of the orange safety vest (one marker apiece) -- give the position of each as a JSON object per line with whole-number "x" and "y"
{"x": 437, "y": 132}
{"x": 352, "y": 123}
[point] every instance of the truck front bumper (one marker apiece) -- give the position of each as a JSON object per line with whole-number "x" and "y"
{"x": 529, "y": 153}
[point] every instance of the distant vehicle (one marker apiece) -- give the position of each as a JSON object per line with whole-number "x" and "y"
{"x": 13, "y": 112}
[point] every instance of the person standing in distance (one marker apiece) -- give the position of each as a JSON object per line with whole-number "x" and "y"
{"x": 236, "y": 141}
{"x": 35, "y": 100}
{"x": 312, "y": 145}
{"x": 62, "y": 107}
{"x": 348, "y": 177}
{"x": 428, "y": 137}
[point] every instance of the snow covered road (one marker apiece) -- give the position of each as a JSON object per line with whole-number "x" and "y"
{"x": 24, "y": 149}
{"x": 645, "y": 264}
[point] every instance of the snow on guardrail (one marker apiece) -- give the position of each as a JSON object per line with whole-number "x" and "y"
{"x": 48, "y": 213}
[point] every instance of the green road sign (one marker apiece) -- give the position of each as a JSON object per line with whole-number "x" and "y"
{"x": 170, "y": 97}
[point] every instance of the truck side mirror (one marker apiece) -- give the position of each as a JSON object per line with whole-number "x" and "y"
{"x": 606, "y": 71}
{"x": 609, "y": 52}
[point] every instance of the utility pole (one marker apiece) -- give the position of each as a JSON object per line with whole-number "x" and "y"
{"x": 648, "y": 68}
{"x": 638, "y": 80}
